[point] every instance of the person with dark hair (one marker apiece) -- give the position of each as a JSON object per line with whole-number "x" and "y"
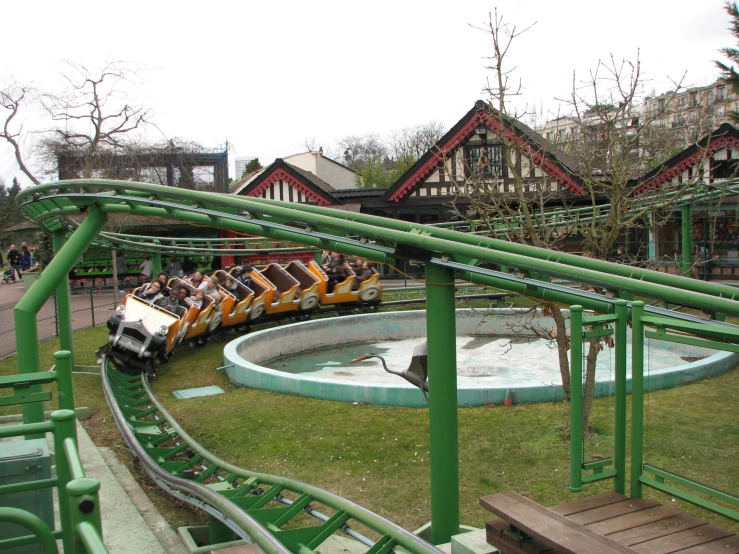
{"x": 363, "y": 273}
{"x": 151, "y": 292}
{"x": 147, "y": 268}
{"x": 188, "y": 266}
{"x": 14, "y": 260}
{"x": 172, "y": 302}
{"x": 173, "y": 267}
{"x": 196, "y": 280}
{"x": 120, "y": 264}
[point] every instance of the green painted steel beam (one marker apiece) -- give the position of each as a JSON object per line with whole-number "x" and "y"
{"x": 630, "y": 272}
{"x": 442, "y": 377}
{"x": 28, "y": 307}
{"x": 444, "y": 246}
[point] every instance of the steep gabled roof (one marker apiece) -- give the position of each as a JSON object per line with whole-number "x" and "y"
{"x": 724, "y": 136}
{"x": 360, "y": 193}
{"x": 317, "y": 190}
{"x": 553, "y": 161}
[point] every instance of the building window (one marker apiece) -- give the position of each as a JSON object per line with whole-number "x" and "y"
{"x": 693, "y": 117}
{"x": 720, "y": 111}
{"x": 485, "y": 161}
{"x": 661, "y": 122}
{"x": 720, "y": 93}
{"x": 693, "y": 99}
{"x": 550, "y": 135}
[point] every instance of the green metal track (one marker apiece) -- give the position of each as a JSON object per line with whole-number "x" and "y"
{"x": 375, "y": 238}
{"x": 265, "y": 507}
{"x": 279, "y": 514}
{"x": 574, "y": 218}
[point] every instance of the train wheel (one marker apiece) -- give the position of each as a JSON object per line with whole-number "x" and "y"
{"x": 309, "y": 302}
{"x": 369, "y": 294}
{"x": 215, "y": 322}
{"x": 256, "y": 312}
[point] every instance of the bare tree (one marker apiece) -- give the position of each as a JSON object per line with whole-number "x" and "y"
{"x": 506, "y": 192}
{"x": 13, "y": 97}
{"x": 94, "y": 113}
{"x": 411, "y": 143}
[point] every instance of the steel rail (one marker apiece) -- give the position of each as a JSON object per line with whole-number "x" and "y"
{"x": 299, "y": 223}
{"x": 228, "y": 511}
{"x": 216, "y": 505}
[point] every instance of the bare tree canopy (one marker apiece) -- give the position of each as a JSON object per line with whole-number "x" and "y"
{"x": 13, "y": 98}
{"x": 94, "y": 112}
{"x": 606, "y": 142}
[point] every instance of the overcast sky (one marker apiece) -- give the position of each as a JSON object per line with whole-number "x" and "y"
{"x": 271, "y": 76}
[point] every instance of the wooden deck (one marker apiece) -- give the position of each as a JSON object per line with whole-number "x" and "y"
{"x": 608, "y": 522}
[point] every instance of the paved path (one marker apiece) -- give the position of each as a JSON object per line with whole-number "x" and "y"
{"x": 88, "y": 310}
{"x": 131, "y": 524}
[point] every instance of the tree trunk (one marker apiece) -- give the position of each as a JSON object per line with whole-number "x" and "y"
{"x": 588, "y": 389}
{"x": 563, "y": 347}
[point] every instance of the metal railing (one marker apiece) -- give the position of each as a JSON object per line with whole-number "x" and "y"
{"x": 91, "y": 306}
{"x": 79, "y": 506}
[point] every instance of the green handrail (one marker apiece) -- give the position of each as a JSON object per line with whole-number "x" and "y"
{"x": 34, "y": 524}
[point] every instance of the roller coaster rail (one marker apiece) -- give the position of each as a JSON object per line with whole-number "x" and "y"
{"x": 573, "y": 217}
{"x": 447, "y": 254}
{"x": 253, "y": 505}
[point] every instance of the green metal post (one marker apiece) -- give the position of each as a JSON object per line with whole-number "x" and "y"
{"x": 26, "y": 333}
{"x": 686, "y": 260}
{"x": 63, "y": 303}
{"x": 441, "y": 334}
{"x": 637, "y": 398}
{"x": 576, "y": 398}
{"x": 64, "y": 382}
{"x": 84, "y": 506}
{"x": 64, "y": 427}
{"x": 156, "y": 264}
{"x": 619, "y": 454}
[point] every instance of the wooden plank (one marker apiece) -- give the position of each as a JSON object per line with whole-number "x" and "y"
{"x": 588, "y": 503}
{"x": 495, "y": 530}
{"x": 657, "y": 529}
{"x": 549, "y": 528}
{"x": 612, "y": 510}
{"x": 635, "y": 519}
{"x": 683, "y": 539}
{"x": 728, "y": 545}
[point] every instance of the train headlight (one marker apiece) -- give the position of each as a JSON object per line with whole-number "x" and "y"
{"x": 163, "y": 330}
{"x": 120, "y": 309}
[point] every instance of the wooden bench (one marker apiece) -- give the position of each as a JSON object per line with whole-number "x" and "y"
{"x": 526, "y": 520}
{"x": 607, "y": 522}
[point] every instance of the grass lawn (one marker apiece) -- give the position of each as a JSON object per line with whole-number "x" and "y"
{"x": 378, "y": 456}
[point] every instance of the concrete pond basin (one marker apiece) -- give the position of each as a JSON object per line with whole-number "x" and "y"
{"x": 498, "y": 352}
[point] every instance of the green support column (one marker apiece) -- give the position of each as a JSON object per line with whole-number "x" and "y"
{"x": 686, "y": 260}
{"x": 441, "y": 330}
{"x": 156, "y": 264}
{"x": 619, "y": 454}
{"x": 576, "y": 398}
{"x": 637, "y": 398}
{"x": 63, "y": 303}
{"x": 26, "y": 333}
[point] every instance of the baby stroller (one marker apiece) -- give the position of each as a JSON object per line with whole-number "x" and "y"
{"x": 9, "y": 276}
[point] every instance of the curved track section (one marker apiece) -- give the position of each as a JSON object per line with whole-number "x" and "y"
{"x": 272, "y": 511}
{"x": 57, "y": 207}
{"x": 279, "y": 514}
